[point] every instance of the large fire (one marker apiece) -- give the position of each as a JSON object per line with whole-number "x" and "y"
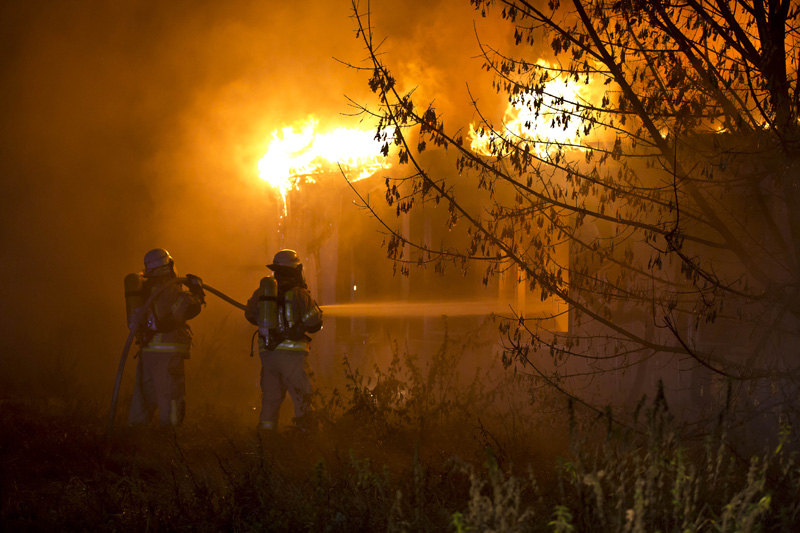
{"x": 543, "y": 127}
{"x": 295, "y": 157}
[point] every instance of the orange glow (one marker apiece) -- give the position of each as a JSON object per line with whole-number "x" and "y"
{"x": 521, "y": 123}
{"x": 295, "y": 157}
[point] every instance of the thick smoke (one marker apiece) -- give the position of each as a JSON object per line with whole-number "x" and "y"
{"x": 131, "y": 125}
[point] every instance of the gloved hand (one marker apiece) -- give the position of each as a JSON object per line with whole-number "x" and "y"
{"x": 196, "y": 287}
{"x": 192, "y": 281}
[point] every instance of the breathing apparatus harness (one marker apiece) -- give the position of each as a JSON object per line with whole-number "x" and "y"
{"x": 151, "y": 323}
{"x": 279, "y": 318}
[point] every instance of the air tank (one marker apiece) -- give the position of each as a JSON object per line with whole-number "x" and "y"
{"x": 134, "y": 295}
{"x": 267, "y": 304}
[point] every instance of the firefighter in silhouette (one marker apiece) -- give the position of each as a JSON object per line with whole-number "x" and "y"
{"x": 285, "y": 313}
{"x": 165, "y": 339}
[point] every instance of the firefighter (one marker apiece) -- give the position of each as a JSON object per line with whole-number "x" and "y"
{"x": 285, "y": 312}
{"x": 165, "y": 340}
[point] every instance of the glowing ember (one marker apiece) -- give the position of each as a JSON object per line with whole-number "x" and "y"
{"x": 522, "y": 122}
{"x": 294, "y": 157}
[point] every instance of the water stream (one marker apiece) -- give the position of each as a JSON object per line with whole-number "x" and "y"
{"x": 401, "y": 309}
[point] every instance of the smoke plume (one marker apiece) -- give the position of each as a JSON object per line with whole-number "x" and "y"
{"x": 130, "y": 125}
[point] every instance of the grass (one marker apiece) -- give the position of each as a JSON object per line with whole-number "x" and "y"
{"x": 417, "y": 447}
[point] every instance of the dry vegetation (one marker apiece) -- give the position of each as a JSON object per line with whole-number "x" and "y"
{"x": 419, "y": 451}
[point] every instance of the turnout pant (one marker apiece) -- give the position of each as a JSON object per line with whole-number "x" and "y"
{"x": 160, "y": 385}
{"x": 282, "y": 371}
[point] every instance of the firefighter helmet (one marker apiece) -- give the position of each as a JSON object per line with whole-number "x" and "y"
{"x": 156, "y": 260}
{"x": 286, "y": 259}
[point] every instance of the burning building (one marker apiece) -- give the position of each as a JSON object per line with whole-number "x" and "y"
{"x": 333, "y": 187}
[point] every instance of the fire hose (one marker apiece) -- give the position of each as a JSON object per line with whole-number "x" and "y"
{"x": 137, "y": 318}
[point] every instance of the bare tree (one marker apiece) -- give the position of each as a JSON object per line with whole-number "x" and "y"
{"x": 645, "y": 174}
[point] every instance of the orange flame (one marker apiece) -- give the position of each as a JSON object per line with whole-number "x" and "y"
{"x": 522, "y": 122}
{"x": 295, "y": 157}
